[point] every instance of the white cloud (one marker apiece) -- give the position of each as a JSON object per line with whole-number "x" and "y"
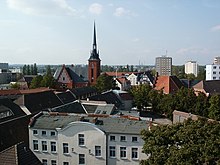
{"x": 95, "y": 8}
{"x": 42, "y": 7}
{"x": 192, "y": 51}
{"x": 215, "y": 28}
{"x": 136, "y": 39}
{"x": 120, "y": 12}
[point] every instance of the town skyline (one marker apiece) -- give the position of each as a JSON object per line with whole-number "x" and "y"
{"x": 61, "y": 32}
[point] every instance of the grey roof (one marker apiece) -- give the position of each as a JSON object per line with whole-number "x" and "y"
{"x": 19, "y": 154}
{"x": 73, "y": 107}
{"x": 108, "y": 125}
{"x": 14, "y": 109}
{"x": 66, "y": 97}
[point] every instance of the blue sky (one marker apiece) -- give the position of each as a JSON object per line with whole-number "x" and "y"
{"x": 128, "y": 31}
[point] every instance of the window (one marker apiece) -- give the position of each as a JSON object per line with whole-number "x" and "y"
{"x": 53, "y": 147}
{"x": 52, "y": 133}
{"x": 214, "y": 67}
{"x": 63, "y": 78}
{"x": 134, "y": 139}
{"x": 123, "y": 138}
{"x": 134, "y": 153}
{"x": 43, "y": 133}
{"x": 53, "y": 162}
{"x": 65, "y": 148}
{"x": 35, "y": 145}
{"x": 44, "y": 146}
{"x": 65, "y": 163}
{"x": 44, "y": 161}
{"x": 81, "y": 159}
{"x": 214, "y": 72}
{"x": 81, "y": 139}
{"x": 123, "y": 152}
{"x": 112, "y": 151}
{"x": 214, "y": 78}
{"x": 98, "y": 151}
{"x": 112, "y": 138}
{"x": 35, "y": 132}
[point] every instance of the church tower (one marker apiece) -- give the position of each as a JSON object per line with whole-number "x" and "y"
{"x": 94, "y": 62}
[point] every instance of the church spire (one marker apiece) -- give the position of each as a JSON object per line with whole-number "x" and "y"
{"x": 94, "y": 54}
{"x": 94, "y": 38}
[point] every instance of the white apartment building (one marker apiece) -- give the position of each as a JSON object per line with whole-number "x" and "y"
{"x": 191, "y": 67}
{"x": 73, "y": 140}
{"x": 212, "y": 72}
{"x": 217, "y": 61}
{"x": 164, "y": 66}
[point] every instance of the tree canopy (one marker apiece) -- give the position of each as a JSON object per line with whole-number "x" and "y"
{"x": 191, "y": 142}
{"x": 104, "y": 83}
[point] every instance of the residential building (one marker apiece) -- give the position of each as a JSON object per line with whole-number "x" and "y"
{"x": 68, "y": 139}
{"x": 191, "y": 67}
{"x": 138, "y": 78}
{"x": 164, "y": 66}
{"x": 180, "y": 117}
{"x": 168, "y": 84}
{"x": 210, "y": 87}
{"x": 94, "y": 62}
{"x": 212, "y": 72}
{"x": 123, "y": 83}
{"x": 217, "y": 61}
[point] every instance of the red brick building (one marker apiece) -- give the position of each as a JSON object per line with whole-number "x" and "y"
{"x": 94, "y": 62}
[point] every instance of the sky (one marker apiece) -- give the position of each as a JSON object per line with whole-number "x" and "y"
{"x": 128, "y": 31}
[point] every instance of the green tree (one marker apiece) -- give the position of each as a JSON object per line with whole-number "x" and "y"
{"x": 201, "y": 105}
{"x": 214, "y": 109}
{"x": 28, "y": 70}
{"x": 32, "y": 69}
{"x": 154, "y": 98}
{"x": 104, "y": 83}
{"x": 185, "y": 99}
{"x": 192, "y": 142}
{"x": 35, "y": 69}
{"x": 36, "y": 82}
{"x": 48, "y": 81}
{"x": 24, "y": 69}
{"x": 15, "y": 86}
{"x": 140, "y": 94}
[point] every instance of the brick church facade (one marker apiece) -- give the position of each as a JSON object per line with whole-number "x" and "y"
{"x": 94, "y": 62}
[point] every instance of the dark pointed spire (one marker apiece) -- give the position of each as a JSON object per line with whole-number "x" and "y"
{"x": 94, "y": 38}
{"x": 94, "y": 53}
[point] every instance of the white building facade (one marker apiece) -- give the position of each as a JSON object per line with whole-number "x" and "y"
{"x": 217, "y": 61}
{"x": 212, "y": 72}
{"x": 191, "y": 67}
{"x": 74, "y": 140}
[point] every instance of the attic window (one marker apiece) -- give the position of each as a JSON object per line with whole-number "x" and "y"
{"x": 63, "y": 78}
{"x": 104, "y": 112}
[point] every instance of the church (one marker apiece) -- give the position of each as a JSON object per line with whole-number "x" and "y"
{"x": 67, "y": 78}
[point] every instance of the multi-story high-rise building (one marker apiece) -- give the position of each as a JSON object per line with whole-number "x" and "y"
{"x": 217, "y": 60}
{"x": 94, "y": 62}
{"x": 212, "y": 72}
{"x": 164, "y": 65}
{"x": 191, "y": 67}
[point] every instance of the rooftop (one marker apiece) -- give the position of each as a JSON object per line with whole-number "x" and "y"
{"x": 112, "y": 124}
